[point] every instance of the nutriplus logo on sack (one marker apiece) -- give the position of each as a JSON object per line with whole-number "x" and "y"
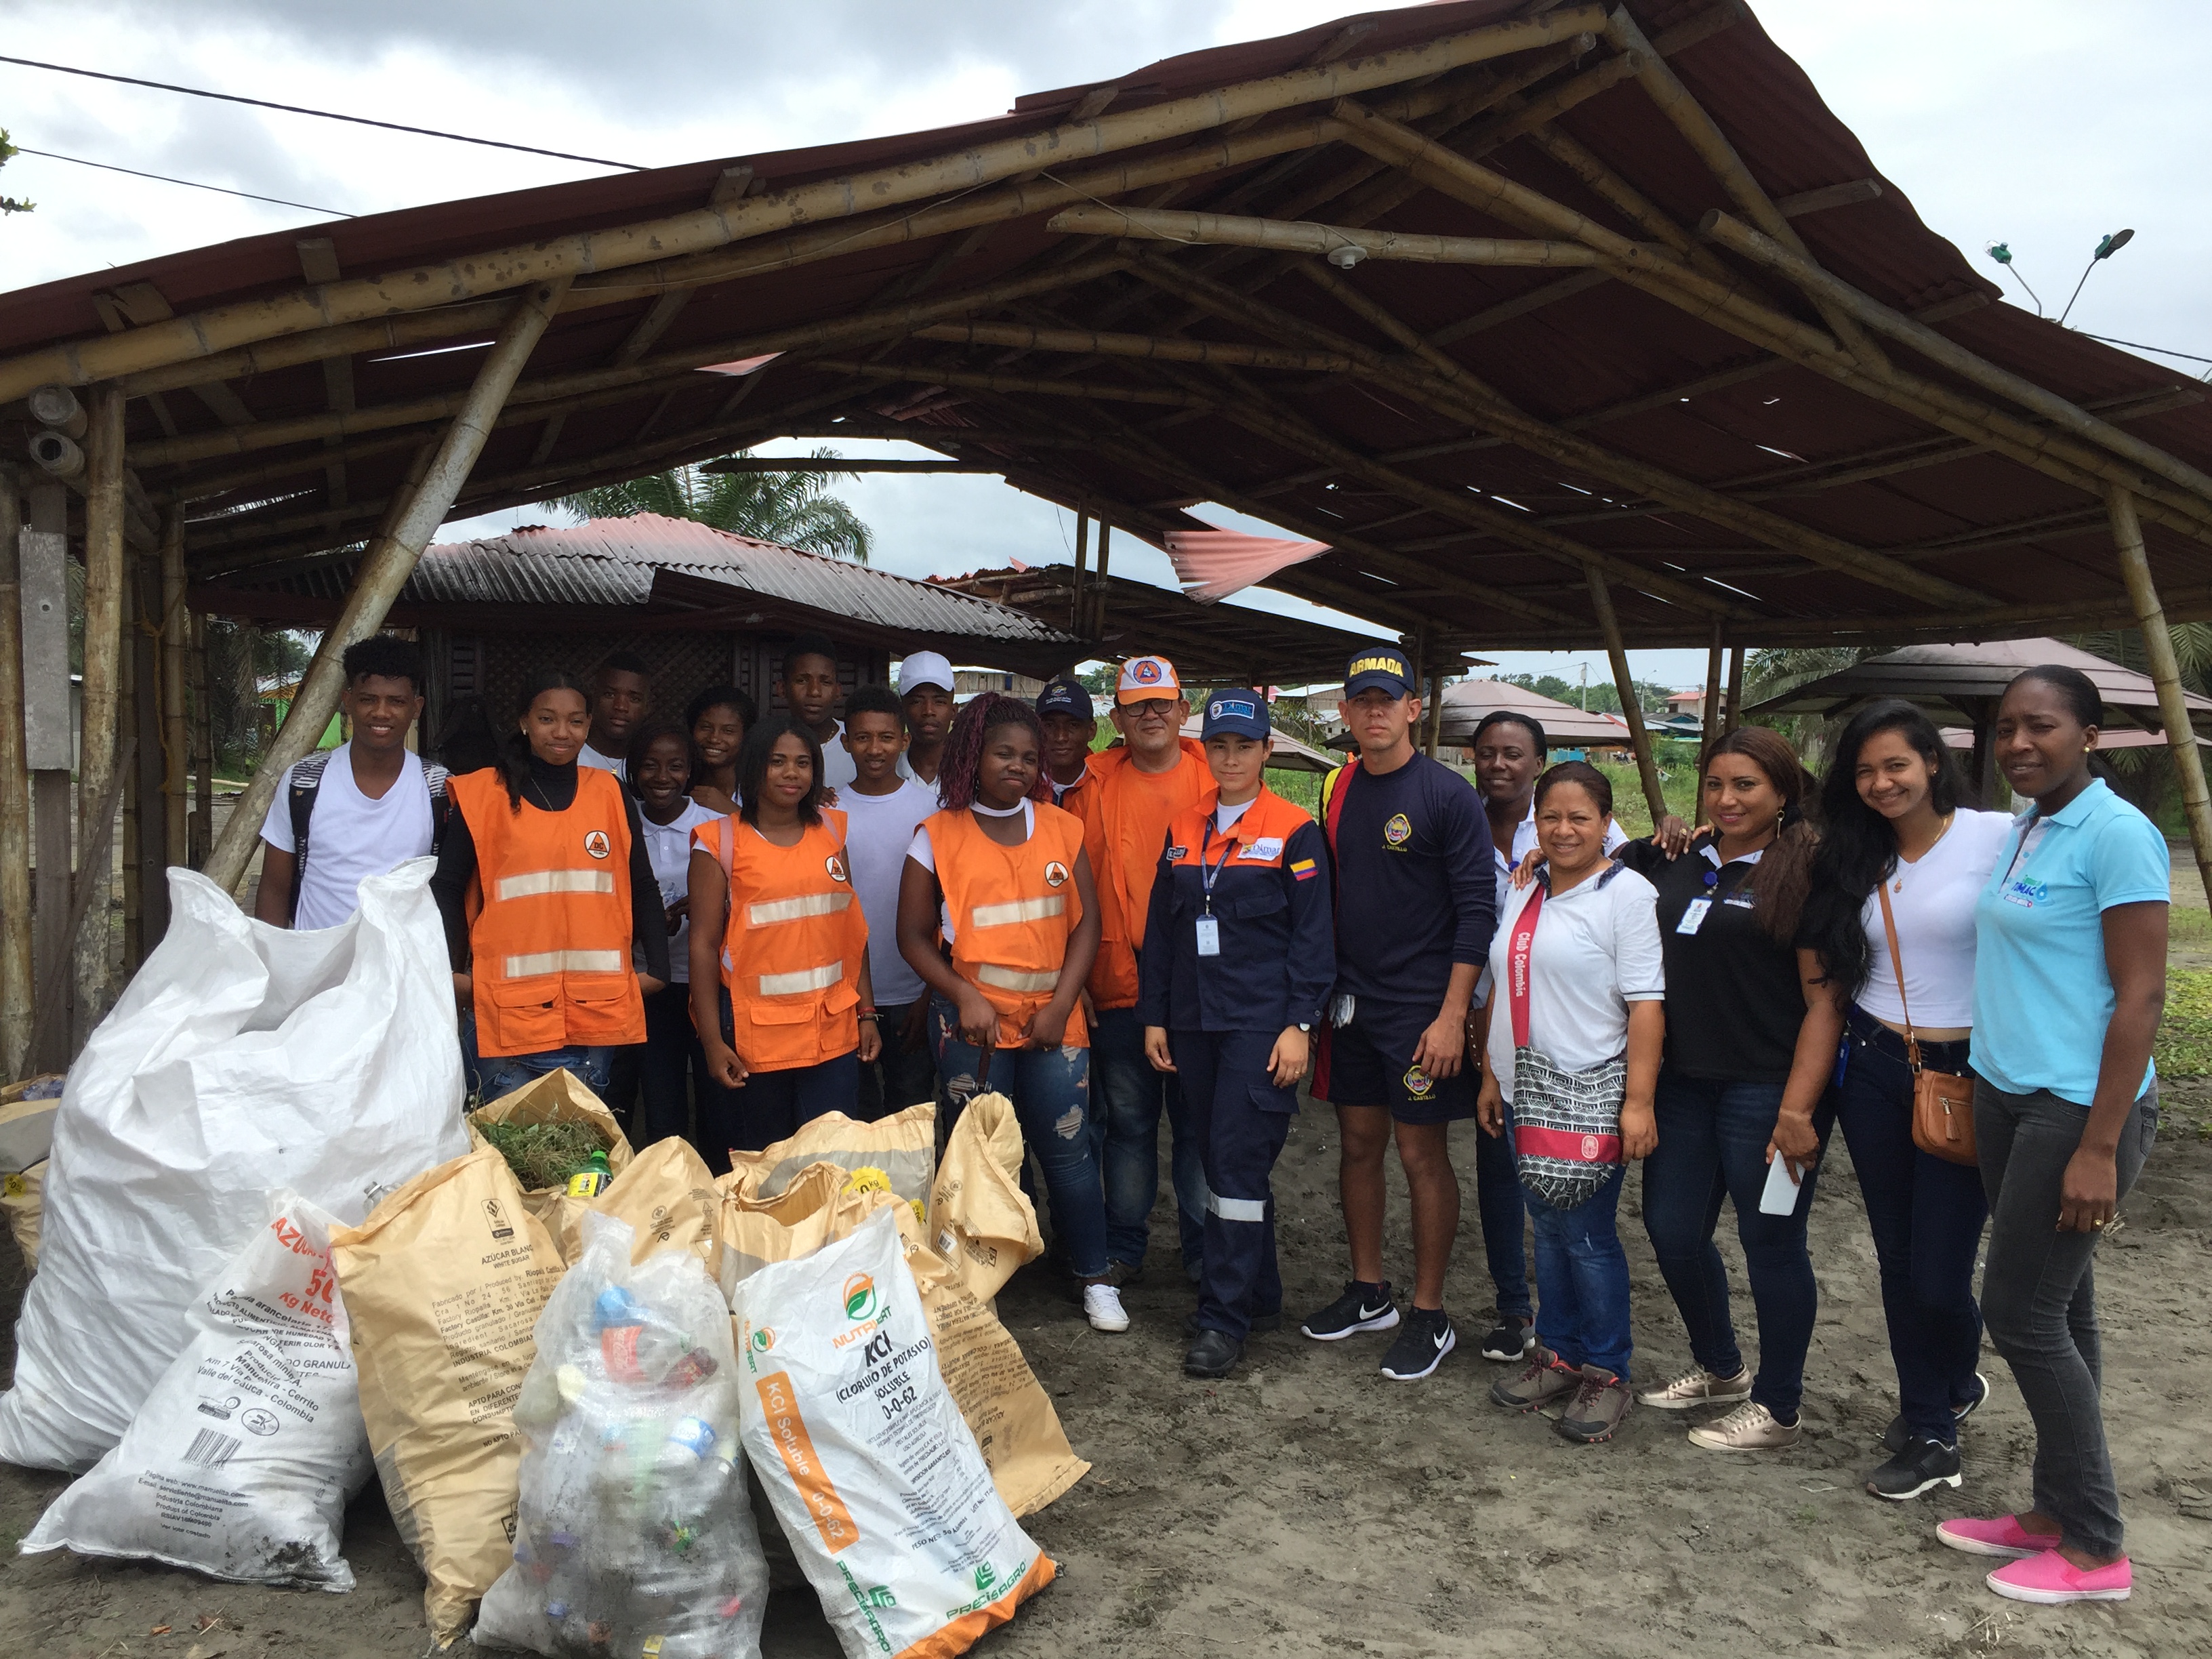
{"x": 863, "y": 1306}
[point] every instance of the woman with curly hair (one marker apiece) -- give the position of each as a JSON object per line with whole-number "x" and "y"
{"x": 1000, "y": 875}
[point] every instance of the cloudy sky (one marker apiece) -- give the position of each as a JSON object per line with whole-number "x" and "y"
{"x": 2043, "y": 123}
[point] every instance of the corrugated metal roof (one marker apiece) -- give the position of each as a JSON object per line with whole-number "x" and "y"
{"x": 1870, "y": 473}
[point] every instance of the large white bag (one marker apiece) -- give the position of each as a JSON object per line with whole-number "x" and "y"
{"x": 886, "y": 1501}
{"x": 242, "y": 1058}
{"x": 241, "y": 1462}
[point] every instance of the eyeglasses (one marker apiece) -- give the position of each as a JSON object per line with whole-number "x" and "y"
{"x": 1152, "y": 708}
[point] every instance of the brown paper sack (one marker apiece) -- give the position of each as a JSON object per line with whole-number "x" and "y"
{"x": 558, "y": 1097}
{"x": 20, "y": 1197}
{"x": 666, "y": 1195}
{"x": 900, "y": 1150}
{"x": 1009, "y": 1413}
{"x": 980, "y": 1222}
{"x": 443, "y": 1285}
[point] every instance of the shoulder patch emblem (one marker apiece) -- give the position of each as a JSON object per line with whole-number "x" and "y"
{"x": 836, "y": 865}
{"x": 596, "y": 844}
{"x": 1418, "y": 1082}
{"x": 1398, "y": 831}
{"x": 1267, "y": 847}
{"x": 1055, "y": 874}
{"x": 1176, "y": 854}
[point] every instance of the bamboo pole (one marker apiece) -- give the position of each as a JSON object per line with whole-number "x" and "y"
{"x": 129, "y": 689}
{"x": 1709, "y": 722}
{"x": 1028, "y": 385}
{"x": 1099, "y": 599}
{"x": 1084, "y": 343}
{"x": 383, "y": 572}
{"x": 155, "y": 852}
{"x": 395, "y": 333}
{"x": 198, "y": 835}
{"x": 1075, "y": 612}
{"x": 2062, "y": 412}
{"x": 103, "y": 646}
{"x": 1735, "y": 717}
{"x": 1639, "y": 738}
{"x": 1233, "y": 230}
{"x": 2165, "y": 674}
{"x": 491, "y": 270}
{"x": 176, "y": 750}
{"x": 15, "y": 795}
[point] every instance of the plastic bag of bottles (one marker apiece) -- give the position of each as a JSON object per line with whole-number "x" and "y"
{"x": 635, "y": 1534}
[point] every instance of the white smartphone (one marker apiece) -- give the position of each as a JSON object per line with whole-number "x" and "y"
{"x": 1783, "y": 1183}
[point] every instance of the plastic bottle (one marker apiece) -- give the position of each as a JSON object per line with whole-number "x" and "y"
{"x": 591, "y": 1180}
{"x": 641, "y": 1347}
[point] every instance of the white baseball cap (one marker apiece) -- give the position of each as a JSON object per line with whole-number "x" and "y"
{"x": 925, "y": 668}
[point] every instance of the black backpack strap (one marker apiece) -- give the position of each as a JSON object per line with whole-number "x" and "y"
{"x": 306, "y": 783}
{"x": 442, "y": 803}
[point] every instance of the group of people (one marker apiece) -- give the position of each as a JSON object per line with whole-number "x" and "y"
{"x": 923, "y": 901}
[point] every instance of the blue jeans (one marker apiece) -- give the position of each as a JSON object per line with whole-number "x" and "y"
{"x": 1581, "y": 1275}
{"x": 1126, "y": 1135}
{"x": 489, "y": 1077}
{"x": 1712, "y": 1150}
{"x": 906, "y": 1075}
{"x": 1926, "y": 1217}
{"x": 1499, "y": 1200}
{"x": 1051, "y": 1091}
{"x": 771, "y": 1105}
{"x": 1240, "y": 1120}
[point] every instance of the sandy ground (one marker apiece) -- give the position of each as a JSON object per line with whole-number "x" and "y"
{"x": 1308, "y": 1506}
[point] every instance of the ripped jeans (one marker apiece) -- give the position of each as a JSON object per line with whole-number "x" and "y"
{"x": 1051, "y": 1091}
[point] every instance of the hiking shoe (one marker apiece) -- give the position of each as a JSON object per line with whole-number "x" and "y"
{"x": 1421, "y": 1346}
{"x": 1512, "y": 1338}
{"x": 1121, "y": 1274}
{"x": 2003, "y": 1536}
{"x": 1544, "y": 1378}
{"x": 1261, "y": 1324}
{"x": 1600, "y": 1403}
{"x": 1361, "y": 1308}
{"x": 2049, "y": 1577}
{"x": 1699, "y": 1387}
{"x": 1214, "y": 1353}
{"x": 1101, "y": 1306}
{"x": 1898, "y": 1434}
{"x": 1924, "y": 1463}
{"x": 1749, "y": 1428}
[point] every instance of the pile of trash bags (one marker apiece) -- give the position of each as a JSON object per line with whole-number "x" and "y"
{"x": 315, "y": 1265}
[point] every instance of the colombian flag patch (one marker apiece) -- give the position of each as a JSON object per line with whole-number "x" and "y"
{"x": 1303, "y": 869}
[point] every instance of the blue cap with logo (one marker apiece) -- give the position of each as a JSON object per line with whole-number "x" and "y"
{"x": 1238, "y": 712}
{"x": 1064, "y": 693}
{"x": 1384, "y": 666}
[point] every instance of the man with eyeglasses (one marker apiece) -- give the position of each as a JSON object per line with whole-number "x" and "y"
{"x": 1134, "y": 792}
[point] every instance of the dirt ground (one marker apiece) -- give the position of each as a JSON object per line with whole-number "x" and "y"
{"x": 1308, "y": 1506}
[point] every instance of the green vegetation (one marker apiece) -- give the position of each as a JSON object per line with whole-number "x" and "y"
{"x": 1602, "y": 698}
{"x": 792, "y": 509}
{"x": 2183, "y": 1047}
{"x": 543, "y": 1154}
{"x": 8, "y": 153}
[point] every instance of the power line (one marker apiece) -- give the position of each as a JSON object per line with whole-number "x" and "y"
{"x": 193, "y": 184}
{"x": 2137, "y": 345}
{"x": 327, "y": 115}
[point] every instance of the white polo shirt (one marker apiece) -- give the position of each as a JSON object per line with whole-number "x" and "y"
{"x": 668, "y": 849}
{"x": 1596, "y": 951}
{"x": 1524, "y": 841}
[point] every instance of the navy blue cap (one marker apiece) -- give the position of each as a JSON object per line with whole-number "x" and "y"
{"x": 1383, "y": 666}
{"x": 1238, "y": 712}
{"x": 1064, "y": 693}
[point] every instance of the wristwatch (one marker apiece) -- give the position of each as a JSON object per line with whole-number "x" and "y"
{"x": 1306, "y": 1026}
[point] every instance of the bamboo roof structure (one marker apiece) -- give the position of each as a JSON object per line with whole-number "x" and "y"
{"x": 1538, "y": 313}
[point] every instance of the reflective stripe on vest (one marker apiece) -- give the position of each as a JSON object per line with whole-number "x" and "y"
{"x": 1017, "y": 910}
{"x": 796, "y": 910}
{"x": 1015, "y": 979}
{"x": 562, "y": 962}
{"x": 1237, "y": 1209}
{"x": 536, "y": 883}
{"x": 809, "y": 979}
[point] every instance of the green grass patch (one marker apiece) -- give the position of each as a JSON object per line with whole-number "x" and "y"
{"x": 545, "y": 1154}
{"x": 2183, "y": 1047}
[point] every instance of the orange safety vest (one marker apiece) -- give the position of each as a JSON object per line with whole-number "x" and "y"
{"x": 1013, "y": 910}
{"x": 550, "y": 947}
{"x": 1126, "y": 814}
{"x": 794, "y": 944}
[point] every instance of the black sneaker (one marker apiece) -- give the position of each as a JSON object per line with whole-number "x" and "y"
{"x": 1212, "y": 1354}
{"x": 1899, "y": 1434}
{"x": 1511, "y": 1340}
{"x": 1262, "y": 1324}
{"x": 1421, "y": 1346}
{"x": 1923, "y": 1463}
{"x": 1361, "y": 1308}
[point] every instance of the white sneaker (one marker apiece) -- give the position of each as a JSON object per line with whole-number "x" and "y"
{"x": 1101, "y": 1306}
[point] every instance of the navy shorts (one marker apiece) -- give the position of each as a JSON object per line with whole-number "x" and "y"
{"x": 1370, "y": 1063}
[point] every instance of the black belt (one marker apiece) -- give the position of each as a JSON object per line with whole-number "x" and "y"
{"x": 1933, "y": 1056}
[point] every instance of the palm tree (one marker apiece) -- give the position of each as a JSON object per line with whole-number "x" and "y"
{"x": 793, "y": 509}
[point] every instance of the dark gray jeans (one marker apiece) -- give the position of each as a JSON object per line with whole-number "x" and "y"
{"x": 2038, "y": 1295}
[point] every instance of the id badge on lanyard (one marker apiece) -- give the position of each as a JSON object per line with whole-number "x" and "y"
{"x": 1209, "y": 927}
{"x": 1693, "y": 916}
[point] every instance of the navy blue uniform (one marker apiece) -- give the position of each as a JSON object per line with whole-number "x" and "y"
{"x": 1266, "y": 886}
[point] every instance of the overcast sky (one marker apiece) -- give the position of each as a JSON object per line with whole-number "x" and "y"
{"x": 2043, "y": 123}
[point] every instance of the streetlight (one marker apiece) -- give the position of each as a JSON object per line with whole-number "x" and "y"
{"x": 2105, "y": 249}
{"x": 2002, "y": 255}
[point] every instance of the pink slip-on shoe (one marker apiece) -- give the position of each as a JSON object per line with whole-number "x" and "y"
{"x": 2050, "y": 1578}
{"x": 2002, "y": 1536}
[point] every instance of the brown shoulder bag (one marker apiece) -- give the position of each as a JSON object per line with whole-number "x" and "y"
{"x": 1942, "y": 1105}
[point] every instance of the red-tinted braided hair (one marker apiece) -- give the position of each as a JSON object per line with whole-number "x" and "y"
{"x": 962, "y": 760}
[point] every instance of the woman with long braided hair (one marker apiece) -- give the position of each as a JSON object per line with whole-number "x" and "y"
{"x": 1000, "y": 875}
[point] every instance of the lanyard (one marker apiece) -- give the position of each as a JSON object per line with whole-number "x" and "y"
{"x": 1517, "y": 962}
{"x": 2026, "y": 828}
{"x": 1210, "y": 873}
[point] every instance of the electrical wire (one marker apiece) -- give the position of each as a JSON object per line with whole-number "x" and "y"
{"x": 2137, "y": 345}
{"x": 191, "y": 184}
{"x": 327, "y": 115}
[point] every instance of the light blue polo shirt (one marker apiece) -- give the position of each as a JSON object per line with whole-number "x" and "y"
{"x": 2042, "y": 996}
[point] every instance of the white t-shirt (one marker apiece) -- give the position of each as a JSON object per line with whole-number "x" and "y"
{"x": 879, "y": 830}
{"x": 1225, "y": 817}
{"x": 668, "y": 848}
{"x": 1596, "y": 951}
{"x": 923, "y": 853}
{"x": 350, "y": 836}
{"x": 588, "y": 756}
{"x": 1933, "y": 901}
{"x": 837, "y": 767}
{"x": 1524, "y": 838}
